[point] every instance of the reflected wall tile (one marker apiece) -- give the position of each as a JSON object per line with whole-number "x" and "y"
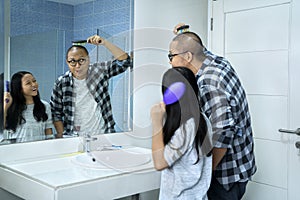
{"x": 51, "y": 7}
{"x": 99, "y": 6}
{"x": 66, "y": 23}
{"x": 83, "y": 9}
{"x": 66, "y": 10}
{"x": 98, "y": 20}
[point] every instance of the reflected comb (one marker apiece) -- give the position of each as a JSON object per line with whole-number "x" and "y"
{"x": 79, "y": 42}
{"x": 82, "y": 42}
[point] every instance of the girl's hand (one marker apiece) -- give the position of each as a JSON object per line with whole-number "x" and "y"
{"x": 7, "y": 99}
{"x": 157, "y": 113}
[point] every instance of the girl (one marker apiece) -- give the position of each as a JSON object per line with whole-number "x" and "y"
{"x": 181, "y": 146}
{"x": 27, "y": 117}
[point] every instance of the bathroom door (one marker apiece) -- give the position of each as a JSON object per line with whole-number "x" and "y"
{"x": 260, "y": 39}
{"x": 294, "y": 117}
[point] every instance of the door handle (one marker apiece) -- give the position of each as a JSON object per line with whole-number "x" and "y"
{"x": 297, "y": 131}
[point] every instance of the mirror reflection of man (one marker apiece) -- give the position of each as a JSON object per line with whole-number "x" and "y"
{"x": 80, "y": 101}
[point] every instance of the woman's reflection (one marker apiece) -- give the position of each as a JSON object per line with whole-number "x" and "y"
{"x": 26, "y": 116}
{"x": 80, "y": 101}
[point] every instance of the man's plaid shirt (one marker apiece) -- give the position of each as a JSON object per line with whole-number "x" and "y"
{"x": 224, "y": 103}
{"x": 63, "y": 98}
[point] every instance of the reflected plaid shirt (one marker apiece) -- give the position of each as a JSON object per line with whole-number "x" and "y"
{"x": 224, "y": 102}
{"x": 63, "y": 99}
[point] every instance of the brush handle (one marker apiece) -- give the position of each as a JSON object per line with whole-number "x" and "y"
{"x": 99, "y": 41}
{"x": 80, "y": 42}
{"x": 6, "y": 86}
{"x": 6, "y": 90}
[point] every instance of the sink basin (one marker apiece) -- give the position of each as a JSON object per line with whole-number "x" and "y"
{"x": 114, "y": 159}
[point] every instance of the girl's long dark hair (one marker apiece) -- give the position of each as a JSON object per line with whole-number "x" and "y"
{"x": 186, "y": 108}
{"x": 1, "y": 101}
{"x": 15, "y": 111}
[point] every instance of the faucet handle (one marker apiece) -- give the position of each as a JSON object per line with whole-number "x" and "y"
{"x": 89, "y": 137}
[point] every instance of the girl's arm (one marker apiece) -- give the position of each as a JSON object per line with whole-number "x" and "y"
{"x": 48, "y": 131}
{"x": 157, "y": 114}
{"x": 7, "y": 100}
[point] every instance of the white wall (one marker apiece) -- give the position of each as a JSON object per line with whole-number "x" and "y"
{"x": 153, "y": 23}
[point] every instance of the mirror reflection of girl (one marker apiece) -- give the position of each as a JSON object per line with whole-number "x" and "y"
{"x": 181, "y": 144}
{"x": 26, "y": 116}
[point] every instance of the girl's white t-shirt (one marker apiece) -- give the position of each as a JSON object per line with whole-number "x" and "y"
{"x": 183, "y": 179}
{"x": 32, "y": 130}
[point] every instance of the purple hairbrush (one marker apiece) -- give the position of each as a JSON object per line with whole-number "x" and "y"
{"x": 6, "y": 90}
{"x": 174, "y": 92}
{"x": 6, "y": 86}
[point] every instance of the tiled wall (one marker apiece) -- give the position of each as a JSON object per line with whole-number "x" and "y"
{"x": 78, "y": 22}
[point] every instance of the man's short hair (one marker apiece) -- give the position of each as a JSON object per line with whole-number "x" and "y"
{"x": 190, "y": 41}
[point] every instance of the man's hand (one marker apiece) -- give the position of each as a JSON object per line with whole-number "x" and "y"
{"x": 176, "y": 27}
{"x": 96, "y": 40}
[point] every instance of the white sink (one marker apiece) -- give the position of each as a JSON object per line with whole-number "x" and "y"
{"x": 113, "y": 159}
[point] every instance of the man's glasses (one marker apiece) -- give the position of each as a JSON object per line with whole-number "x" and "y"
{"x": 73, "y": 62}
{"x": 171, "y": 56}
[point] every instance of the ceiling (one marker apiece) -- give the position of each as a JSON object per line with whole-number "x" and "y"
{"x": 71, "y": 2}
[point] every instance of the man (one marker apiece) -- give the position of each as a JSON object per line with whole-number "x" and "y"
{"x": 224, "y": 102}
{"x": 80, "y": 101}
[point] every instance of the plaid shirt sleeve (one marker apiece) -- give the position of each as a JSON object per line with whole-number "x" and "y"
{"x": 119, "y": 66}
{"x": 216, "y": 107}
{"x": 100, "y": 73}
{"x": 224, "y": 102}
{"x": 56, "y": 102}
{"x": 98, "y": 82}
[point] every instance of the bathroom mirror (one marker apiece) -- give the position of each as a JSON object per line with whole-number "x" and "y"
{"x": 41, "y": 31}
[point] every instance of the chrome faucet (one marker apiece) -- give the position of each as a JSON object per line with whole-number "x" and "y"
{"x": 88, "y": 139}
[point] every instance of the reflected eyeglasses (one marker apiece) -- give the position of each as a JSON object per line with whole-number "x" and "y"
{"x": 171, "y": 56}
{"x": 73, "y": 62}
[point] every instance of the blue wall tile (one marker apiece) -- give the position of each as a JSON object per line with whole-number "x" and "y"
{"x": 83, "y": 9}
{"x": 66, "y": 10}
{"x": 99, "y": 6}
